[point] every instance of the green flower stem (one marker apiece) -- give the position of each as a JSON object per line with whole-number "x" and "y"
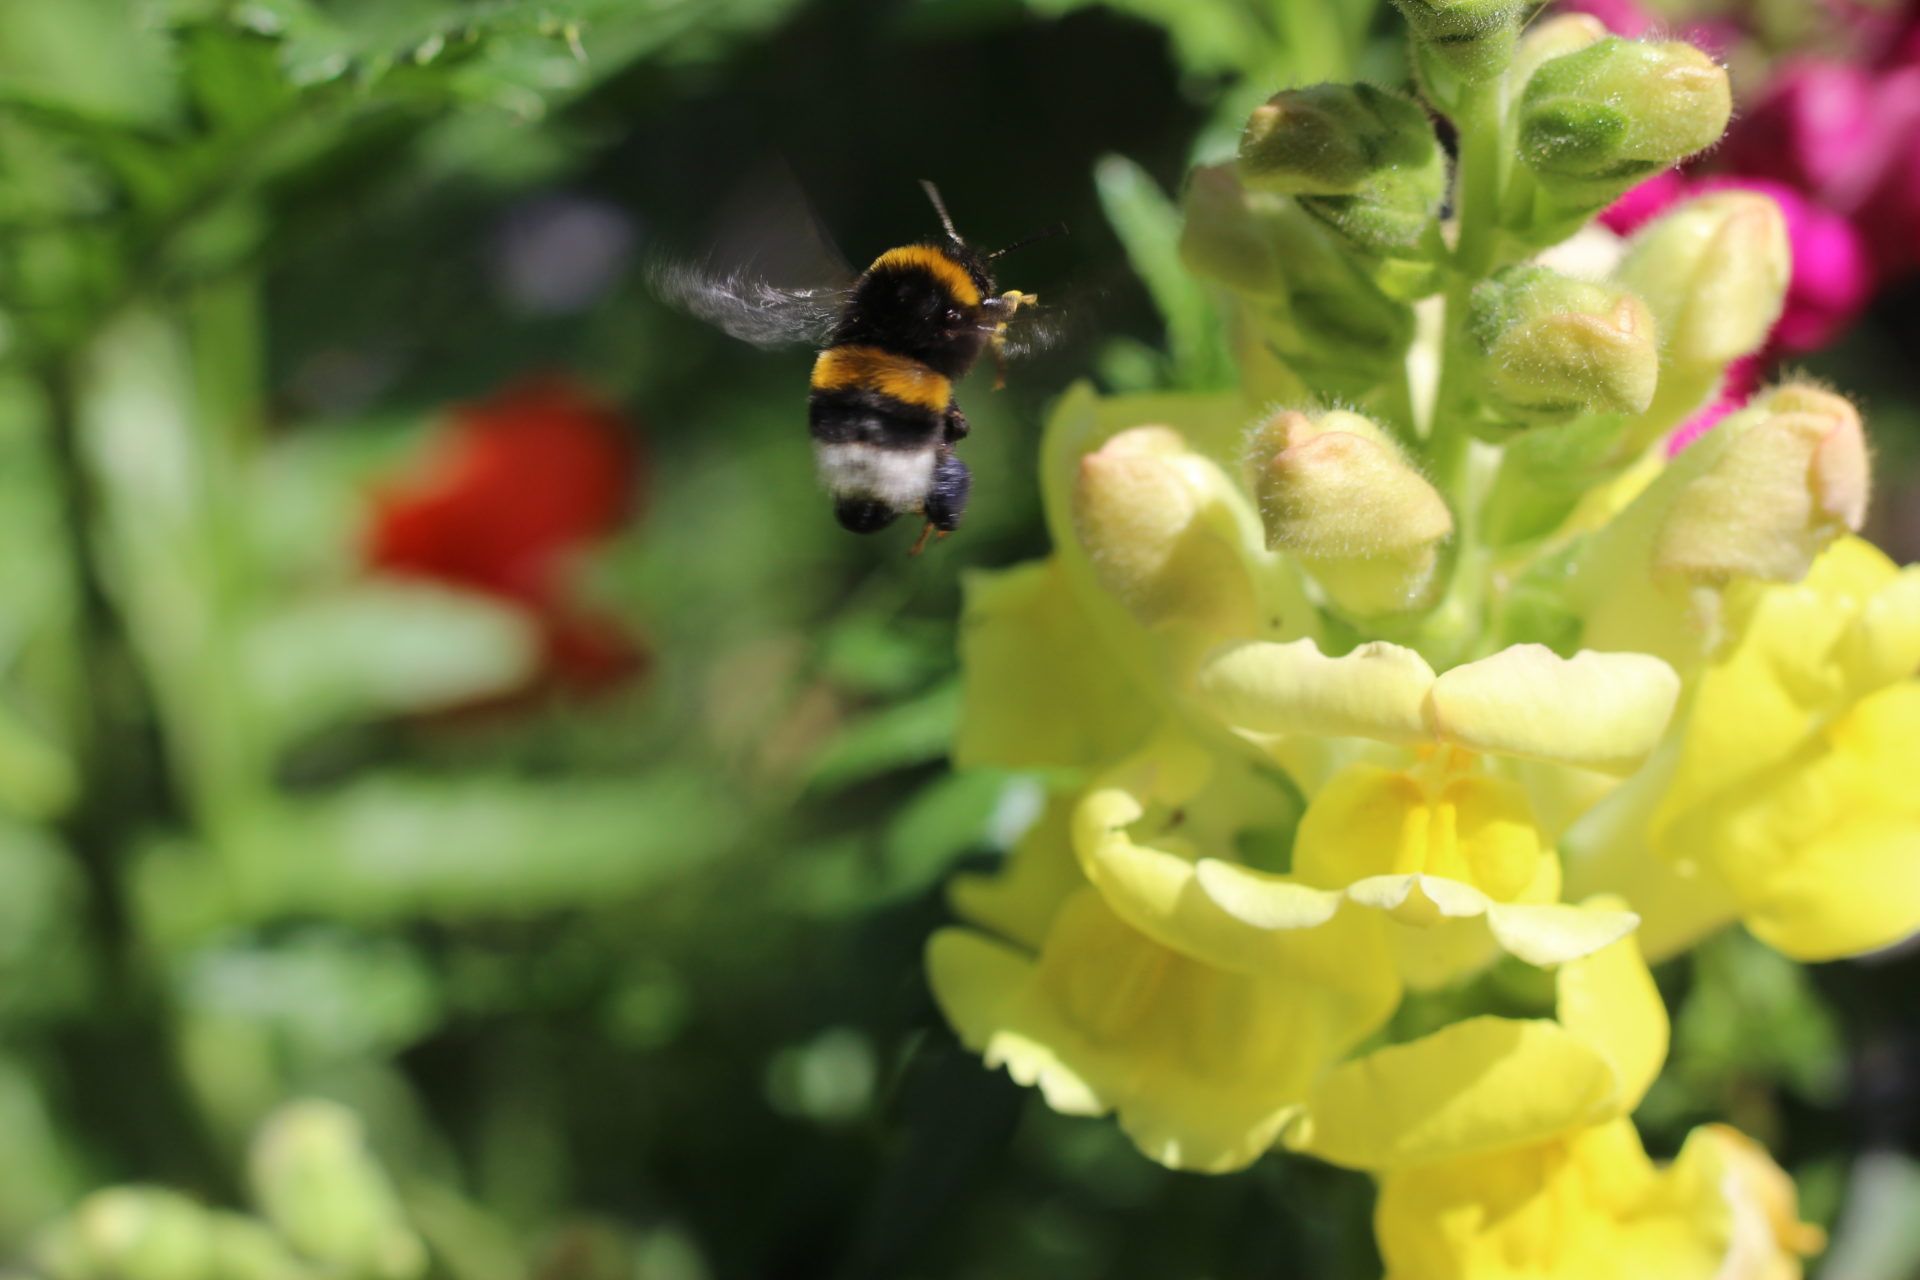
{"x": 126, "y": 1059}
{"x": 1478, "y": 116}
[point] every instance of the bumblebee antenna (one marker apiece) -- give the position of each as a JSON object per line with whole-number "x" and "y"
{"x": 940, "y": 207}
{"x": 1057, "y": 229}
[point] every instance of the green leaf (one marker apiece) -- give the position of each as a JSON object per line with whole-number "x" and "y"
{"x": 396, "y": 846}
{"x": 381, "y": 648}
{"x": 1148, "y": 225}
{"x": 908, "y": 733}
{"x": 104, "y": 60}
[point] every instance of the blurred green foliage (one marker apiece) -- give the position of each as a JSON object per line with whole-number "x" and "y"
{"x": 617, "y": 986}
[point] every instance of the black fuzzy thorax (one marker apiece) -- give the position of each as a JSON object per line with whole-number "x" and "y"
{"x": 908, "y": 309}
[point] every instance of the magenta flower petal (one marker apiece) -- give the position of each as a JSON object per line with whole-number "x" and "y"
{"x": 1888, "y": 211}
{"x": 1645, "y": 202}
{"x": 1814, "y": 129}
{"x": 1622, "y": 17}
{"x": 1736, "y": 388}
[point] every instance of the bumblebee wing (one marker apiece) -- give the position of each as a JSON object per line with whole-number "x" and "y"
{"x": 1053, "y": 322}
{"x": 750, "y": 308}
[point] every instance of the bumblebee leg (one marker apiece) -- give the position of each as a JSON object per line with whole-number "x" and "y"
{"x": 947, "y": 495}
{"x": 919, "y": 543}
{"x": 957, "y": 427}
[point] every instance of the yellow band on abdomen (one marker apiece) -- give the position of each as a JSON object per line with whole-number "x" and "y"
{"x": 872, "y": 369}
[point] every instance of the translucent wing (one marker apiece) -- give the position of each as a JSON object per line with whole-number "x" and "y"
{"x": 750, "y": 308}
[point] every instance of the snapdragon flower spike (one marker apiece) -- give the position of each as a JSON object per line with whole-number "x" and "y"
{"x": 1334, "y": 705}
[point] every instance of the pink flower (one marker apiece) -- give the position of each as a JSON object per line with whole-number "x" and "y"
{"x": 1645, "y": 202}
{"x": 1628, "y": 18}
{"x": 1736, "y": 388}
{"x": 1814, "y": 129}
{"x": 1887, "y": 212}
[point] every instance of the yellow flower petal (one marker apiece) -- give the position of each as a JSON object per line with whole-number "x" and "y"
{"x": 1040, "y": 690}
{"x": 1477, "y": 1085}
{"x": 1601, "y": 711}
{"x": 1554, "y": 933}
{"x": 1821, "y": 851}
{"x": 1609, "y": 1000}
{"x": 1235, "y": 918}
{"x": 1372, "y": 821}
{"x": 1203, "y": 1066}
{"x": 1019, "y": 899}
{"x": 1378, "y": 691}
{"x": 1588, "y": 1206}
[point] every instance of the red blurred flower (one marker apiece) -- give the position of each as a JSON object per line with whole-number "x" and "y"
{"x": 512, "y": 489}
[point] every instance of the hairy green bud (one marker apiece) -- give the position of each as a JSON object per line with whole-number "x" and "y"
{"x": 1363, "y": 159}
{"x": 1595, "y": 121}
{"x": 1558, "y": 348}
{"x": 1310, "y": 297}
{"x": 1474, "y": 39}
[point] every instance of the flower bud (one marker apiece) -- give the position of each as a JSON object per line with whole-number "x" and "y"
{"x": 1558, "y": 348}
{"x": 1714, "y": 272}
{"x": 1595, "y": 121}
{"x": 1548, "y": 39}
{"x": 1791, "y": 476}
{"x": 1472, "y": 38}
{"x": 1149, "y": 515}
{"x": 1336, "y": 494}
{"x": 319, "y": 1184}
{"x": 1310, "y": 297}
{"x": 130, "y": 1233}
{"x": 1361, "y": 158}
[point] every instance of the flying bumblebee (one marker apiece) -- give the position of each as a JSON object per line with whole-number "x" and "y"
{"x": 881, "y": 408}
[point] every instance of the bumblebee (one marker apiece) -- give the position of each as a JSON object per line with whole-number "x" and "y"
{"x": 881, "y": 407}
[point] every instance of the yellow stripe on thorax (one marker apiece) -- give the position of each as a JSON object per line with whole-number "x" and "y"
{"x": 871, "y": 369}
{"x": 935, "y": 263}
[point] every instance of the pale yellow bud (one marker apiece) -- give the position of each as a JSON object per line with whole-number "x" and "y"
{"x": 1714, "y": 272}
{"x": 1792, "y": 475}
{"x": 1549, "y": 39}
{"x": 1146, "y": 511}
{"x": 320, "y": 1185}
{"x": 1558, "y": 347}
{"x": 1336, "y": 494}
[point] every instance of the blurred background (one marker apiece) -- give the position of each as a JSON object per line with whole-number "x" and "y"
{"x": 430, "y": 680}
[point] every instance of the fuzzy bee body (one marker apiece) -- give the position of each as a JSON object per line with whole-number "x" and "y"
{"x": 881, "y": 407}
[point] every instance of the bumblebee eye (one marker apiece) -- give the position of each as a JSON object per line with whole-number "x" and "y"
{"x": 954, "y": 317}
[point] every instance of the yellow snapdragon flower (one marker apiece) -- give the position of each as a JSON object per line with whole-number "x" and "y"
{"x": 1590, "y": 1205}
{"x": 1785, "y": 800}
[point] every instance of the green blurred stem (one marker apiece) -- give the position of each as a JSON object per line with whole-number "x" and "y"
{"x": 1477, "y": 201}
{"x": 222, "y": 322}
{"x": 123, "y": 1063}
